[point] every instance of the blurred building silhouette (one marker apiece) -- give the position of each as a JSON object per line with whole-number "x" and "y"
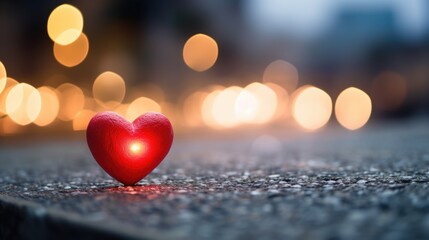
{"x": 355, "y": 31}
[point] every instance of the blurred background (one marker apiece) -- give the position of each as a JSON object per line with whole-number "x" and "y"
{"x": 226, "y": 65}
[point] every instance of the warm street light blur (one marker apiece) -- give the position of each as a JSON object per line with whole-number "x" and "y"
{"x": 3, "y": 77}
{"x": 200, "y": 52}
{"x": 248, "y": 70}
{"x": 23, "y": 104}
{"x": 50, "y": 106}
{"x": 311, "y": 107}
{"x": 109, "y": 90}
{"x": 74, "y": 53}
{"x": 65, "y": 24}
{"x": 353, "y": 108}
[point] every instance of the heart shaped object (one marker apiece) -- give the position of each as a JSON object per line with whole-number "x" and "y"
{"x": 129, "y": 151}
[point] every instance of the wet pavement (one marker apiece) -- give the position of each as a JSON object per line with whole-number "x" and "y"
{"x": 334, "y": 184}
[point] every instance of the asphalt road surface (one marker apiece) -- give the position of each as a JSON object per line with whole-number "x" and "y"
{"x": 334, "y": 184}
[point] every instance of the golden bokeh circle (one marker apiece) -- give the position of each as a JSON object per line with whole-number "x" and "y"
{"x": 282, "y": 111}
{"x": 82, "y": 119}
{"x": 109, "y": 89}
{"x": 267, "y": 102}
{"x": 10, "y": 82}
{"x": 140, "y": 106}
{"x": 206, "y": 109}
{"x": 192, "y": 108}
{"x": 200, "y": 52}
{"x": 72, "y": 54}
{"x": 50, "y": 106}
{"x": 224, "y": 108}
{"x": 246, "y": 106}
{"x": 72, "y": 101}
{"x": 23, "y": 103}
{"x": 311, "y": 107}
{"x": 353, "y": 108}
{"x": 3, "y": 77}
{"x": 65, "y": 24}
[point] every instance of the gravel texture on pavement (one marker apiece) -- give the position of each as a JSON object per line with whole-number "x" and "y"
{"x": 334, "y": 184}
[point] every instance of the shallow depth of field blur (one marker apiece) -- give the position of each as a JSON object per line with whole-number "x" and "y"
{"x": 213, "y": 66}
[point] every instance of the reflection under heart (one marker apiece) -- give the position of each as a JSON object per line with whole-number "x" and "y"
{"x": 140, "y": 189}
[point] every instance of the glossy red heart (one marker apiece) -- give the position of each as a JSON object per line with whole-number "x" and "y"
{"x": 129, "y": 151}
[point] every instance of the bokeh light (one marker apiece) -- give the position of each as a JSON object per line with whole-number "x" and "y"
{"x": 206, "y": 109}
{"x": 171, "y": 112}
{"x": 74, "y": 53}
{"x": 81, "y": 121}
{"x": 140, "y": 106}
{"x": 311, "y": 107}
{"x": 3, "y": 77}
{"x": 91, "y": 104}
{"x": 109, "y": 89}
{"x": 246, "y": 106}
{"x": 389, "y": 91}
{"x": 282, "y": 73}
{"x": 192, "y": 109}
{"x": 23, "y": 103}
{"x": 72, "y": 101}
{"x": 50, "y": 106}
{"x": 224, "y": 110}
{"x": 282, "y": 111}
{"x": 234, "y": 106}
{"x": 10, "y": 82}
{"x": 65, "y": 24}
{"x": 353, "y": 108}
{"x": 200, "y": 52}
{"x": 267, "y": 102}
{"x": 121, "y": 109}
{"x": 8, "y": 126}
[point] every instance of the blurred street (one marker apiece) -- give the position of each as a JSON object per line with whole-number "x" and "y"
{"x": 325, "y": 185}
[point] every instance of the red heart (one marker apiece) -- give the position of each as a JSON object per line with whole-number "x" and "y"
{"x": 129, "y": 151}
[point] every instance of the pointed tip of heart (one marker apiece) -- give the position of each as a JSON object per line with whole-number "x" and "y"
{"x": 129, "y": 184}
